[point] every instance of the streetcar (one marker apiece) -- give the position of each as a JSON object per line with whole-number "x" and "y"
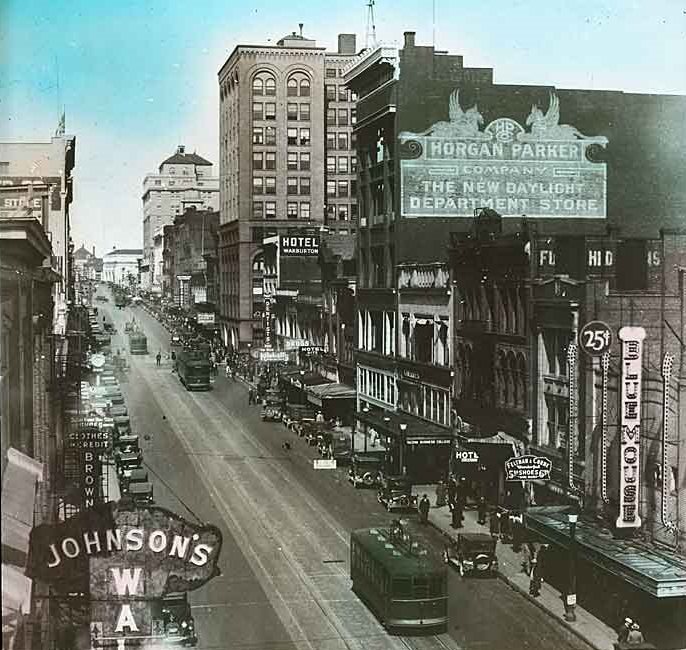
{"x": 194, "y": 367}
{"x": 397, "y": 578}
{"x": 138, "y": 343}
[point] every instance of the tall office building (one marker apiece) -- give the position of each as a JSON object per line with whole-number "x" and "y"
{"x": 287, "y": 162}
{"x": 184, "y": 180}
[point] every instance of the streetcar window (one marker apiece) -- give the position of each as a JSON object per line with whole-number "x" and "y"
{"x": 402, "y": 587}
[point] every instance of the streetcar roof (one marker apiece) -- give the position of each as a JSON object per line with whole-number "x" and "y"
{"x": 396, "y": 558}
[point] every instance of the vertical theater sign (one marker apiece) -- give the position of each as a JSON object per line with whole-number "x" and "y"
{"x": 454, "y": 168}
{"x": 123, "y": 560}
{"x": 630, "y": 427}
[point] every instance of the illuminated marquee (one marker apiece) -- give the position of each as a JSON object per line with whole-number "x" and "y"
{"x": 453, "y": 167}
{"x": 630, "y": 427}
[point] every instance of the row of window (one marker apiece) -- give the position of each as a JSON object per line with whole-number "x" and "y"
{"x": 376, "y": 385}
{"x": 340, "y": 164}
{"x": 341, "y": 212}
{"x": 266, "y": 135}
{"x": 341, "y": 189}
{"x": 294, "y": 210}
{"x": 298, "y": 112}
{"x": 425, "y": 402}
{"x": 339, "y": 116}
{"x": 339, "y": 93}
{"x": 267, "y": 160}
{"x": 294, "y": 185}
{"x": 266, "y": 85}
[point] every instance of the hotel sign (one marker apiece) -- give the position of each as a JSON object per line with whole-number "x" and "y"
{"x": 299, "y": 246}
{"x": 454, "y": 168}
{"x": 630, "y": 427}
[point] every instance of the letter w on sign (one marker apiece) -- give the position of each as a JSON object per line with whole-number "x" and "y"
{"x": 126, "y": 580}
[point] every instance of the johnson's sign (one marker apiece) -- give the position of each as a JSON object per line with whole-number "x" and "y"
{"x": 630, "y": 427}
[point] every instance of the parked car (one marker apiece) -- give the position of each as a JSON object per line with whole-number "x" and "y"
{"x": 473, "y": 553}
{"x": 141, "y": 493}
{"x": 172, "y": 620}
{"x": 272, "y": 406}
{"x": 365, "y": 469}
{"x": 395, "y": 493}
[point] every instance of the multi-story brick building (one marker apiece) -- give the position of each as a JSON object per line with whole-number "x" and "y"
{"x": 560, "y": 208}
{"x": 284, "y": 115}
{"x": 184, "y": 180}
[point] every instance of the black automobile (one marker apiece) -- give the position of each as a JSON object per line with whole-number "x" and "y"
{"x": 395, "y": 493}
{"x": 172, "y": 621}
{"x": 473, "y": 554}
{"x": 365, "y": 469}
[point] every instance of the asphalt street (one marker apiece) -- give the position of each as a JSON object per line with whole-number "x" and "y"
{"x": 286, "y": 526}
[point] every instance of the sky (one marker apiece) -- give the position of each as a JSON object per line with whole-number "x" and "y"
{"x": 136, "y": 78}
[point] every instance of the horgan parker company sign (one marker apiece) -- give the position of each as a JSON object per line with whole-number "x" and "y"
{"x": 454, "y": 168}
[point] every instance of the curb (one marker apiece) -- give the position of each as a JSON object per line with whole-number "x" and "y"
{"x": 513, "y": 585}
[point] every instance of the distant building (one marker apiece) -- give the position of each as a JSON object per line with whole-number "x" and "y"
{"x": 184, "y": 180}
{"x": 86, "y": 265}
{"x": 120, "y": 266}
{"x": 287, "y": 162}
{"x": 38, "y": 176}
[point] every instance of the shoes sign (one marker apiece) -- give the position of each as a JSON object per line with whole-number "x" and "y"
{"x": 528, "y": 468}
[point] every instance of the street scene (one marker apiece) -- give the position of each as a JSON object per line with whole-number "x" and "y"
{"x": 357, "y": 337}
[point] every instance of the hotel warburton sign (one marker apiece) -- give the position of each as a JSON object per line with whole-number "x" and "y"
{"x": 453, "y": 167}
{"x": 630, "y": 427}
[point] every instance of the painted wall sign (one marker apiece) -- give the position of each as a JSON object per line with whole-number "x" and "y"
{"x": 595, "y": 338}
{"x": 630, "y": 427}
{"x": 300, "y": 246}
{"x": 528, "y": 468}
{"x": 453, "y": 167}
{"x": 429, "y": 441}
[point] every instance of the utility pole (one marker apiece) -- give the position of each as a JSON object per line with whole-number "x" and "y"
{"x": 370, "y": 38}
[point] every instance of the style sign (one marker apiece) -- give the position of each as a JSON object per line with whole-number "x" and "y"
{"x": 466, "y": 456}
{"x": 630, "y": 427}
{"x": 454, "y": 167}
{"x": 595, "y": 338}
{"x": 528, "y": 468}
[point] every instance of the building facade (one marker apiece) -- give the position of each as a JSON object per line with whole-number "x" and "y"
{"x": 559, "y": 223}
{"x": 283, "y": 114}
{"x": 184, "y": 180}
{"x": 120, "y": 266}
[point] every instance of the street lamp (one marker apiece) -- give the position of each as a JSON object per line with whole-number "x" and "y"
{"x": 388, "y": 455}
{"x": 403, "y": 429}
{"x": 365, "y": 410}
{"x": 302, "y": 386}
{"x": 570, "y": 600}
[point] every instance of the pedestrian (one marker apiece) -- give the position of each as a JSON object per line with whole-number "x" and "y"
{"x": 494, "y": 524}
{"x": 624, "y": 629}
{"x": 482, "y": 510}
{"x": 158, "y": 358}
{"x": 452, "y": 489}
{"x": 456, "y": 512}
{"x": 424, "y": 506}
{"x": 535, "y": 582}
{"x": 440, "y": 494}
{"x": 635, "y": 636}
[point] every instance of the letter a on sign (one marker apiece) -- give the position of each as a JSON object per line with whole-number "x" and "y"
{"x": 126, "y": 619}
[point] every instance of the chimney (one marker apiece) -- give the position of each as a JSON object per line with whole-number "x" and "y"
{"x": 93, "y": 251}
{"x": 181, "y": 149}
{"x": 301, "y": 28}
{"x": 347, "y": 44}
{"x": 409, "y": 39}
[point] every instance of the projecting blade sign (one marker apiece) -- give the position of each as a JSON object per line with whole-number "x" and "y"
{"x": 455, "y": 167}
{"x": 528, "y": 468}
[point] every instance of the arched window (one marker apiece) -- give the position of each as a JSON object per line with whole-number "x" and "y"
{"x": 292, "y": 87}
{"x": 258, "y": 86}
{"x": 270, "y": 87}
{"x": 305, "y": 87}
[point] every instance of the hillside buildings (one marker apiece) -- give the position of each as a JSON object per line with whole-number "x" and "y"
{"x": 287, "y": 163}
{"x": 184, "y": 180}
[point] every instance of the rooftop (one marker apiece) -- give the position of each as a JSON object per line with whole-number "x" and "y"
{"x": 183, "y": 158}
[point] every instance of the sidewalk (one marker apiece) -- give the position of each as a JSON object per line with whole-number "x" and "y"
{"x": 587, "y": 626}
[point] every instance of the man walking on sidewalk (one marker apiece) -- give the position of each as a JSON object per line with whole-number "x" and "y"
{"x": 424, "y": 507}
{"x": 158, "y": 358}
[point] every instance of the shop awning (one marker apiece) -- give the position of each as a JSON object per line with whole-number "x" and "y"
{"x": 316, "y": 394}
{"x": 18, "y": 501}
{"x": 314, "y": 379}
{"x": 418, "y": 431}
{"x": 657, "y": 571}
{"x": 500, "y": 438}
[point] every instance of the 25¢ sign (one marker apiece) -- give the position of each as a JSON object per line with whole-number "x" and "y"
{"x": 595, "y": 337}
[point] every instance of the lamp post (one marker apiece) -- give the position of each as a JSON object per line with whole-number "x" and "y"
{"x": 302, "y": 387}
{"x": 387, "y": 421}
{"x": 403, "y": 429}
{"x": 570, "y": 600}
{"x": 365, "y": 410}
